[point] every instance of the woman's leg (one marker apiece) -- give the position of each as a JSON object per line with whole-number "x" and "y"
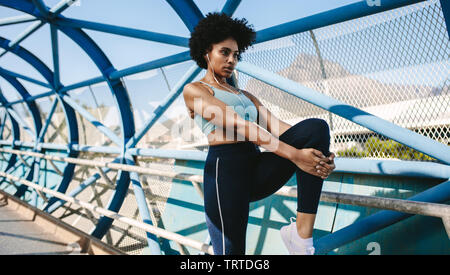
{"x": 273, "y": 171}
{"x": 226, "y": 190}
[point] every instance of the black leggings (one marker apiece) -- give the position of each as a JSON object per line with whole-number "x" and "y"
{"x": 239, "y": 173}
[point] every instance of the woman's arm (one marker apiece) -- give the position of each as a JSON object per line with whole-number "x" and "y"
{"x": 277, "y": 127}
{"x": 266, "y": 119}
{"x": 212, "y": 109}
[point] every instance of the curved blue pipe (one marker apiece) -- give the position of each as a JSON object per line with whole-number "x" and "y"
{"x": 404, "y": 136}
{"x": 187, "y": 11}
{"x": 15, "y": 132}
{"x": 379, "y": 220}
{"x": 119, "y": 94}
{"x": 36, "y": 119}
{"x": 72, "y": 125}
{"x": 125, "y": 114}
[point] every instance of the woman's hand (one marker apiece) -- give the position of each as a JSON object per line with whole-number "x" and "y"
{"x": 330, "y": 163}
{"x": 313, "y": 162}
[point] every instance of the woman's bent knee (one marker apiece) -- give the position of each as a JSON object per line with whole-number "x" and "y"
{"x": 316, "y": 134}
{"x": 319, "y": 126}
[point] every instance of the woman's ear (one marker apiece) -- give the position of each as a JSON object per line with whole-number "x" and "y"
{"x": 207, "y": 55}
{"x": 206, "y": 58}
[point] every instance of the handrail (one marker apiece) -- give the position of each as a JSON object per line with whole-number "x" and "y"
{"x": 116, "y": 216}
{"x": 404, "y": 136}
{"x": 401, "y": 205}
{"x": 329, "y": 17}
{"x": 421, "y": 169}
{"x": 373, "y": 123}
{"x": 382, "y": 219}
{"x": 87, "y": 244}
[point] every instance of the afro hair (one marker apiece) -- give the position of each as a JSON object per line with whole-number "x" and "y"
{"x": 215, "y": 28}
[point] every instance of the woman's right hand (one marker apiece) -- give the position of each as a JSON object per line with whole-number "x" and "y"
{"x": 311, "y": 161}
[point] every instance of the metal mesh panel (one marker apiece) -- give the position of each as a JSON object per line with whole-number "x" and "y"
{"x": 7, "y": 133}
{"x": 97, "y": 193}
{"x": 393, "y": 65}
{"x": 129, "y": 239}
{"x": 132, "y": 240}
{"x": 57, "y": 129}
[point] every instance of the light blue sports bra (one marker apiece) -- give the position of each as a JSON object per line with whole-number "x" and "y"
{"x": 242, "y": 105}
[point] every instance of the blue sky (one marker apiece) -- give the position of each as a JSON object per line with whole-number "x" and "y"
{"x": 140, "y": 14}
{"x": 152, "y": 15}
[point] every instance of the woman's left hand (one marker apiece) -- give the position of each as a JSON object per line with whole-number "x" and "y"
{"x": 329, "y": 166}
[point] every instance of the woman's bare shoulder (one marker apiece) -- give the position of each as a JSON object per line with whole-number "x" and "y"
{"x": 251, "y": 96}
{"x": 195, "y": 89}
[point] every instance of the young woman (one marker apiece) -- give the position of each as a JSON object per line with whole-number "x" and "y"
{"x": 236, "y": 172}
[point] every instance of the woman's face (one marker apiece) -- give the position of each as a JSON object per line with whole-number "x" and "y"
{"x": 223, "y": 57}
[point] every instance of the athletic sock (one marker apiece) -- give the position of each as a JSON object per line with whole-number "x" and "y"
{"x": 304, "y": 242}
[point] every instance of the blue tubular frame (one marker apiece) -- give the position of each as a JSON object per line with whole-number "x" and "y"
{"x": 123, "y": 103}
{"x": 119, "y": 93}
{"x": 17, "y": 20}
{"x": 18, "y": 119}
{"x": 445, "y": 4}
{"x": 22, "y": 36}
{"x": 123, "y": 31}
{"x": 37, "y": 127}
{"x": 190, "y": 15}
{"x": 423, "y": 144}
{"x": 56, "y": 203}
{"x": 379, "y": 220}
{"x": 97, "y": 124}
{"x": 176, "y": 91}
{"x": 29, "y": 79}
{"x": 155, "y": 64}
{"x": 15, "y": 132}
{"x": 57, "y": 9}
{"x": 330, "y": 17}
{"x": 230, "y": 7}
{"x": 45, "y": 127}
{"x": 152, "y": 240}
{"x": 2, "y": 121}
{"x": 72, "y": 125}
{"x": 188, "y": 12}
{"x": 125, "y": 114}
{"x": 31, "y": 105}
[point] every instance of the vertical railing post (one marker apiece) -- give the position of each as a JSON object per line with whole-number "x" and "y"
{"x": 445, "y": 5}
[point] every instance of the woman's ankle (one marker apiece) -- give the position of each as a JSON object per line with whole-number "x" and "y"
{"x": 304, "y": 234}
{"x": 305, "y": 224}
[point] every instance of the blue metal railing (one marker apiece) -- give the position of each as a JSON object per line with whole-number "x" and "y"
{"x": 190, "y": 14}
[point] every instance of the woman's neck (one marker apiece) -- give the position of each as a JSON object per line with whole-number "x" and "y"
{"x": 210, "y": 79}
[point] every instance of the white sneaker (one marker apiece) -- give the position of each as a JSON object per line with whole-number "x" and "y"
{"x": 292, "y": 244}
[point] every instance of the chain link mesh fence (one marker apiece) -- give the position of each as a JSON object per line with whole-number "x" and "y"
{"x": 393, "y": 65}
